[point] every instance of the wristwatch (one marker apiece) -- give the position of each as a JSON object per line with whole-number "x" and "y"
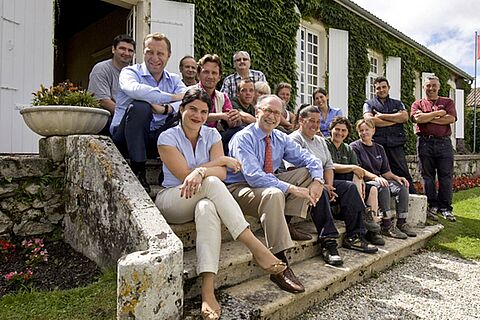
{"x": 319, "y": 180}
{"x": 165, "y": 106}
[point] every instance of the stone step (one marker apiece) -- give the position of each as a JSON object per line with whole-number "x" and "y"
{"x": 236, "y": 263}
{"x": 260, "y": 298}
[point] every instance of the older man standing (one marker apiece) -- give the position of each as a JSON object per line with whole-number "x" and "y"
{"x": 389, "y": 115}
{"x": 433, "y": 116}
{"x": 270, "y": 196}
{"x": 145, "y": 104}
{"x": 241, "y": 61}
{"x": 188, "y": 70}
{"x": 103, "y": 79}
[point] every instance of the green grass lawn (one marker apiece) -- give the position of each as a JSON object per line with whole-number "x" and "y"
{"x": 93, "y": 302}
{"x": 461, "y": 238}
{"x": 98, "y": 301}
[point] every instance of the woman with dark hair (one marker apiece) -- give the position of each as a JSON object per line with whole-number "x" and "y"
{"x": 345, "y": 165}
{"x": 194, "y": 167}
{"x": 335, "y": 191}
{"x": 284, "y": 91}
{"x": 371, "y": 156}
{"x": 327, "y": 113}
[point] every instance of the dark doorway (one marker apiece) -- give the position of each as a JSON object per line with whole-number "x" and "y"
{"x": 84, "y": 31}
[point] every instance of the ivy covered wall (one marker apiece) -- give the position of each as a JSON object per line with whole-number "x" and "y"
{"x": 264, "y": 28}
{"x": 267, "y": 29}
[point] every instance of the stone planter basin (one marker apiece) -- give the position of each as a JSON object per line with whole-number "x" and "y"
{"x": 64, "y": 120}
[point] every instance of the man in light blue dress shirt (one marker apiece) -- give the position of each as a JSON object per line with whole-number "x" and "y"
{"x": 146, "y": 103}
{"x": 271, "y": 196}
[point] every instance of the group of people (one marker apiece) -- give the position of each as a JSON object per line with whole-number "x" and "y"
{"x": 239, "y": 150}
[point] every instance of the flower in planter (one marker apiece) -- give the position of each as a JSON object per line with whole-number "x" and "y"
{"x": 64, "y": 94}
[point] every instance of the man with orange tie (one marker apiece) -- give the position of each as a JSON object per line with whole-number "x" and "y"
{"x": 263, "y": 193}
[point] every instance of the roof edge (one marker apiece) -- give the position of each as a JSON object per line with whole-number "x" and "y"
{"x": 394, "y": 32}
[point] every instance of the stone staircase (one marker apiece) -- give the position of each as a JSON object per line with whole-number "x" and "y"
{"x": 245, "y": 291}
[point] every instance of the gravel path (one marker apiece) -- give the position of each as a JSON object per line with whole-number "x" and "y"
{"x": 428, "y": 285}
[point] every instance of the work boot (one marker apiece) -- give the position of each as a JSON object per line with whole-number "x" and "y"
{"x": 370, "y": 224}
{"x": 375, "y": 238}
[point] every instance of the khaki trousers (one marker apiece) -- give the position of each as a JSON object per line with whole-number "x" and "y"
{"x": 209, "y": 207}
{"x": 271, "y": 205}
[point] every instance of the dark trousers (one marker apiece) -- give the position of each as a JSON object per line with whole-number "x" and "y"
{"x": 133, "y": 136}
{"x": 227, "y": 136}
{"x": 322, "y": 218}
{"x": 398, "y": 164}
{"x": 351, "y": 206}
{"x": 436, "y": 161}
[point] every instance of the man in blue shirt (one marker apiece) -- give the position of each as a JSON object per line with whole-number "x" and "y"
{"x": 145, "y": 104}
{"x": 389, "y": 115}
{"x": 269, "y": 196}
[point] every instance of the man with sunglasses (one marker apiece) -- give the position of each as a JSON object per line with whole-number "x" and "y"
{"x": 262, "y": 192}
{"x": 241, "y": 61}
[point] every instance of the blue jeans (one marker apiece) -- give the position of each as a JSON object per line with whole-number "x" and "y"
{"x": 436, "y": 161}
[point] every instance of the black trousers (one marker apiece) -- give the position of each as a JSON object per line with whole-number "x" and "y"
{"x": 351, "y": 207}
{"x": 133, "y": 136}
{"x": 398, "y": 164}
{"x": 436, "y": 163}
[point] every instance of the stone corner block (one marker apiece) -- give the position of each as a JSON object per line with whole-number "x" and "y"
{"x": 150, "y": 285}
{"x": 417, "y": 210}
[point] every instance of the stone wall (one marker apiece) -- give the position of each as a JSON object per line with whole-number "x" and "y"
{"x": 464, "y": 165}
{"x": 110, "y": 218}
{"x": 31, "y": 196}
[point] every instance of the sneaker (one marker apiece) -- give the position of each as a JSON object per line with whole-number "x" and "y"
{"x": 432, "y": 213}
{"x": 143, "y": 181}
{"x": 359, "y": 243}
{"x": 375, "y": 238}
{"x": 330, "y": 253}
{"x": 447, "y": 214}
{"x": 393, "y": 232}
{"x": 407, "y": 229}
{"x": 370, "y": 224}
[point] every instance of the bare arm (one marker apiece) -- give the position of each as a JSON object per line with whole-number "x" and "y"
{"x": 421, "y": 117}
{"x": 446, "y": 119}
{"x": 176, "y": 163}
{"x": 247, "y": 117}
{"x": 108, "y": 104}
{"x": 391, "y": 176}
{"x": 386, "y": 120}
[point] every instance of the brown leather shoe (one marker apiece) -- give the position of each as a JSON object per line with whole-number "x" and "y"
{"x": 297, "y": 234}
{"x": 287, "y": 281}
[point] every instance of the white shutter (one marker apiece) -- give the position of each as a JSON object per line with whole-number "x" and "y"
{"x": 424, "y": 79}
{"x": 394, "y": 76}
{"x": 175, "y": 20}
{"x": 460, "y": 106}
{"x": 26, "y": 57}
{"x": 338, "y": 69}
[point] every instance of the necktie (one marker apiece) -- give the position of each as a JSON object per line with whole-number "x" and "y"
{"x": 268, "y": 165}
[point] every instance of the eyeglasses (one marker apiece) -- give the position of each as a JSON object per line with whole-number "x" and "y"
{"x": 268, "y": 111}
{"x": 241, "y": 59}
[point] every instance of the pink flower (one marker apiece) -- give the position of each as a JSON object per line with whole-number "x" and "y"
{"x": 9, "y": 276}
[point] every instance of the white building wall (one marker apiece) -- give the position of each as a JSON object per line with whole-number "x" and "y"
{"x": 26, "y": 61}
{"x": 338, "y": 69}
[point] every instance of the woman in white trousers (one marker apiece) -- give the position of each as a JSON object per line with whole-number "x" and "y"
{"x": 194, "y": 167}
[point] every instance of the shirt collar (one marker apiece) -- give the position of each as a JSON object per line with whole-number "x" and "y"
{"x": 146, "y": 73}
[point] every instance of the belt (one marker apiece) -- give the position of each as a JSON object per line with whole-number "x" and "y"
{"x": 430, "y": 136}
